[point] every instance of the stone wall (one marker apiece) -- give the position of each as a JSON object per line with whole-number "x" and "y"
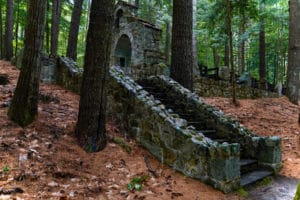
{"x": 266, "y": 150}
{"x": 68, "y": 74}
{"x": 206, "y": 87}
{"x": 143, "y": 55}
{"x": 168, "y": 138}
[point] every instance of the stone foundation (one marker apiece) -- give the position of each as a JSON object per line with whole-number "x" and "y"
{"x": 170, "y": 139}
{"x": 206, "y": 87}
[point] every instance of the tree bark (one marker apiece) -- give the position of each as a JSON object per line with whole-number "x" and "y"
{"x": 47, "y": 28}
{"x": 293, "y": 72}
{"x": 241, "y": 46}
{"x": 195, "y": 49}
{"x": 182, "y": 43}
{"x": 216, "y": 57}
{"x": 262, "y": 56}
{"x": 1, "y": 32}
{"x": 17, "y": 27}
{"x": 56, "y": 14}
{"x": 229, "y": 28}
{"x": 74, "y": 29}
{"x": 90, "y": 129}
{"x": 168, "y": 41}
{"x": 8, "y": 40}
{"x": 24, "y": 106}
{"x": 226, "y": 52}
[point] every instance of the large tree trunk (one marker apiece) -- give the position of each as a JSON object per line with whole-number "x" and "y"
{"x": 74, "y": 29}
{"x": 47, "y": 28}
{"x": 230, "y": 37}
{"x": 195, "y": 49}
{"x": 168, "y": 43}
{"x": 182, "y": 43}
{"x": 293, "y": 72}
{"x": 8, "y": 39}
{"x": 262, "y": 56}
{"x": 24, "y": 106}
{"x": 56, "y": 14}
{"x": 241, "y": 46}
{"x": 90, "y": 129}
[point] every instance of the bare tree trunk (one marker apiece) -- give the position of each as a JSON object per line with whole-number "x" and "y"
{"x": 216, "y": 57}
{"x": 56, "y": 14}
{"x": 293, "y": 72}
{"x": 8, "y": 39}
{"x": 226, "y": 53}
{"x": 182, "y": 42}
{"x": 1, "y": 32}
{"x": 195, "y": 49}
{"x": 17, "y": 27}
{"x": 47, "y": 28}
{"x": 74, "y": 29}
{"x": 229, "y": 28}
{"x": 24, "y": 106}
{"x": 262, "y": 57}
{"x": 241, "y": 46}
{"x": 90, "y": 129}
{"x": 168, "y": 41}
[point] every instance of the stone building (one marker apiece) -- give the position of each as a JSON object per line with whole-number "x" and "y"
{"x": 137, "y": 43}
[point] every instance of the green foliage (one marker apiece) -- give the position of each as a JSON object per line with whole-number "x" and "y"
{"x": 6, "y": 169}
{"x": 137, "y": 183}
{"x": 265, "y": 181}
{"x": 122, "y": 143}
{"x": 297, "y": 195}
{"x": 242, "y": 192}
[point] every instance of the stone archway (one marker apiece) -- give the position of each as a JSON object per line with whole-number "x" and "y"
{"x": 123, "y": 52}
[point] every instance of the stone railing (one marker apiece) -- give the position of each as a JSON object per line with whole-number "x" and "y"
{"x": 168, "y": 137}
{"x": 206, "y": 87}
{"x": 266, "y": 150}
{"x": 68, "y": 74}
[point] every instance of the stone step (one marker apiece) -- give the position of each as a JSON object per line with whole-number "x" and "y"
{"x": 254, "y": 176}
{"x": 248, "y": 165}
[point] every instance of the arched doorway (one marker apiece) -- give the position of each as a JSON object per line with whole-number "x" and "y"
{"x": 123, "y": 53}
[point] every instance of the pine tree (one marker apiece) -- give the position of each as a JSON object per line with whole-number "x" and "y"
{"x": 90, "y": 129}
{"x": 24, "y": 106}
{"x": 182, "y": 43}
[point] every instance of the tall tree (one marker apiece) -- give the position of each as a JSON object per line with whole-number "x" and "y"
{"x": 17, "y": 26}
{"x": 24, "y": 106}
{"x": 56, "y": 14}
{"x": 242, "y": 28}
{"x": 168, "y": 41}
{"x": 262, "y": 51}
{"x": 74, "y": 29}
{"x": 293, "y": 74}
{"x": 90, "y": 129}
{"x": 1, "y": 32}
{"x": 8, "y": 38}
{"x": 182, "y": 43}
{"x": 231, "y": 58}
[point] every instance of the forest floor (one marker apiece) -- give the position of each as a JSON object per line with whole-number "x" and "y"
{"x": 43, "y": 160}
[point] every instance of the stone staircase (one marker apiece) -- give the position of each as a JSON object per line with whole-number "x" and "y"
{"x": 250, "y": 170}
